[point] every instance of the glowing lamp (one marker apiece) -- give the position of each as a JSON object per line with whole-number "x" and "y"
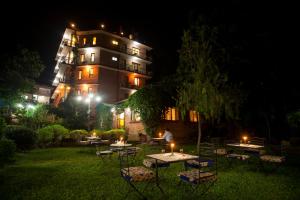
{"x": 159, "y": 134}
{"x": 172, "y": 147}
{"x": 102, "y": 26}
{"x": 72, "y": 25}
{"x": 121, "y": 138}
{"x": 78, "y": 98}
{"x": 94, "y": 134}
{"x": 245, "y": 139}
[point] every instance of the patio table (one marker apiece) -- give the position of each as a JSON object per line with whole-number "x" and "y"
{"x": 252, "y": 149}
{"x": 169, "y": 158}
{"x": 120, "y": 145}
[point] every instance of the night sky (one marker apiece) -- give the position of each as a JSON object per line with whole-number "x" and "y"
{"x": 159, "y": 26}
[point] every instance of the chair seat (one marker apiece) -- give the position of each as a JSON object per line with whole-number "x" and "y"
{"x": 238, "y": 156}
{"x": 271, "y": 158}
{"x": 137, "y": 174}
{"x": 195, "y": 163}
{"x": 220, "y": 152}
{"x": 150, "y": 163}
{"x": 192, "y": 176}
{"x": 107, "y": 152}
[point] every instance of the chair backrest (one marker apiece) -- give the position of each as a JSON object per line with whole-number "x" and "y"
{"x": 125, "y": 157}
{"x": 207, "y": 152}
{"x": 257, "y": 141}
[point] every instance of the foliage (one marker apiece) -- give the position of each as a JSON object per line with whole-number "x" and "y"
{"x": 74, "y": 114}
{"x": 97, "y": 132}
{"x": 51, "y": 135}
{"x": 17, "y": 74}
{"x": 294, "y": 119}
{"x": 113, "y": 134}
{"x": 38, "y": 117}
{"x": 205, "y": 87}
{"x": 151, "y": 102}
{"x": 7, "y": 151}
{"x": 104, "y": 117}
{"x": 24, "y": 138}
{"x": 77, "y": 135}
{"x": 2, "y": 126}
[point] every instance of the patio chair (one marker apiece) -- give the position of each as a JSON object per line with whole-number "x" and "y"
{"x": 276, "y": 160}
{"x": 102, "y": 153}
{"x": 204, "y": 172}
{"x": 135, "y": 174}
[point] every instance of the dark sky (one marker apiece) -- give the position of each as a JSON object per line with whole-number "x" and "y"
{"x": 159, "y": 26}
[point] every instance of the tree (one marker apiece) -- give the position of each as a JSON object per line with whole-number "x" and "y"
{"x": 18, "y": 74}
{"x": 205, "y": 87}
{"x": 104, "y": 117}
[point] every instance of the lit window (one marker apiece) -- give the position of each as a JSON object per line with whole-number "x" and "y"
{"x": 115, "y": 42}
{"x": 73, "y": 40}
{"x": 78, "y": 92}
{"x": 114, "y": 58}
{"x": 82, "y": 57}
{"x": 193, "y": 116}
{"x": 90, "y": 90}
{"x": 120, "y": 120}
{"x": 93, "y": 57}
{"x": 136, "y": 81}
{"x": 84, "y": 41}
{"x": 135, "y": 66}
{"x": 94, "y": 40}
{"x": 171, "y": 114}
{"x": 135, "y": 51}
{"x": 79, "y": 74}
{"x": 35, "y": 97}
{"x": 135, "y": 116}
{"x": 91, "y": 72}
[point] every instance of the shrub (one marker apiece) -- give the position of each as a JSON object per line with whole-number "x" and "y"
{"x": 52, "y": 134}
{"x": 7, "y": 151}
{"x": 24, "y": 138}
{"x": 77, "y": 135}
{"x": 97, "y": 132}
{"x": 113, "y": 134}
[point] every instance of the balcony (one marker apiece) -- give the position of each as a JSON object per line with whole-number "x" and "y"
{"x": 127, "y": 85}
{"x": 69, "y": 43}
{"x": 130, "y": 68}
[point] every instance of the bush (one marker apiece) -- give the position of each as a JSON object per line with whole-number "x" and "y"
{"x": 52, "y": 135}
{"x": 24, "y": 138}
{"x": 113, "y": 134}
{"x": 7, "y": 151}
{"x": 98, "y": 132}
{"x": 77, "y": 135}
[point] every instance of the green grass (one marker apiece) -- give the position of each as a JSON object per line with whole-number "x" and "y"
{"x": 76, "y": 173}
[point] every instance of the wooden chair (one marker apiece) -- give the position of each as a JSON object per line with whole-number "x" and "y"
{"x": 134, "y": 174}
{"x": 204, "y": 169}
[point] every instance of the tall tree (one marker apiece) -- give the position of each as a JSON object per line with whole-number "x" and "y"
{"x": 204, "y": 86}
{"x": 18, "y": 73}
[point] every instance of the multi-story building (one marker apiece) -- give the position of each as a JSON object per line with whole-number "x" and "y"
{"x": 99, "y": 62}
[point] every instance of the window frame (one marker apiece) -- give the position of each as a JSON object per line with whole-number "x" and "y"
{"x": 79, "y": 74}
{"x": 92, "y": 57}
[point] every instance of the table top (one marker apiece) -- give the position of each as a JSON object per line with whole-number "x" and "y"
{"x": 158, "y": 138}
{"x": 120, "y": 145}
{"x": 175, "y": 157}
{"x": 92, "y": 138}
{"x": 251, "y": 146}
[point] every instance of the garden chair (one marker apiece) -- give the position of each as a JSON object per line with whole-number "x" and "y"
{"x": 102, "y": 153}
{"x": 276, "y": 160}
{"x": 204, "y": 169}
{"x": 135, "y": 174}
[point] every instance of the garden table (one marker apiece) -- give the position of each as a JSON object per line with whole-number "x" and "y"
{"x": 120, "y": 145}
{"x": 169, "y": 158}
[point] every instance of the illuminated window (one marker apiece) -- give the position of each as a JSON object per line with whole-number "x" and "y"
{"x": 92, "y": 57}
{"x": 79, "y": 74}
{"x": 90, "y": 90}
{"x": 120, "y": 120}
{"x": 135, "y": 51}
{"x": 78, "y": 92}
{"x": 82, "y": 57}
{"x": 94, "y": 40}
{"x": 115, "y": 42}
{"x": 135, "y": 116}
{"x": 91, "y": 72}
{"x": 193, "y": 116}
{"x": 114, "y": 58}
{"x": 73, "y": 40}
{"x": 35, "y": 97}
{"x": 84, "y": 41}
{"x": 136, "y": 81}
{"x": 135, "y": 66}
{"x": 171, "y": 114}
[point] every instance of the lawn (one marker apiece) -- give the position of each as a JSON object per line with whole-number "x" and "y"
{"x": 76, "y": 173}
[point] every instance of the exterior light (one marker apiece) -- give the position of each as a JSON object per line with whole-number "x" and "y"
{"x": 172, "y": 147}
{"x": 87, "y": 100}
{"x": 79, "y": 98}
{"x": 112, "y": 110}
{"x": 61, "y": 87}
{"x": 19, "y": 105}
{"x": 68, "y": 88}
{"x": 131, "y": 36}
{"x": 30, "y": 106}
{"x": 102, "y": 26}
{"x": 159, "y": 135}
{"x": 122, "y": 33}
{"x": 91, "y": 95}
{"x": 245, "y": 139}
{"x": 98, "y": 99}
{"x": 72, "y": 25}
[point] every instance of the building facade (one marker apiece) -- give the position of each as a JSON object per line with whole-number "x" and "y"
{"x": 100, "y": 63}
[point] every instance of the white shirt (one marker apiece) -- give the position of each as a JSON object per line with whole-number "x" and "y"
{"x": 168, "y": 136}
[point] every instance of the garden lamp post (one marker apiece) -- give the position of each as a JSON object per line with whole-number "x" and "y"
{"x": 88, "y": 99}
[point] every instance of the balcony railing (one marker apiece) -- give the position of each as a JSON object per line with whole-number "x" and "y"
{"x": 129, "y": 86}
{"x": 130, "y": 68}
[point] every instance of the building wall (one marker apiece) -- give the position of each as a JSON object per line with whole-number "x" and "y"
{"x": 109, "y": 85}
